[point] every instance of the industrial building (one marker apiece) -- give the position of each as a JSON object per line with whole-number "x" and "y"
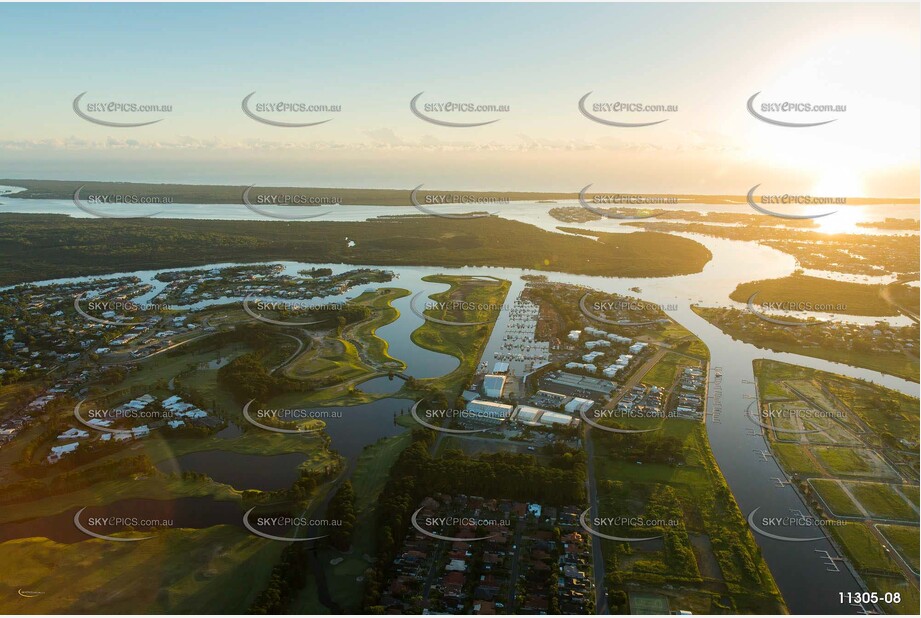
{"x": 493, "y": 385}
{"x": 577, "y": 405}
{"x": 479, "y": 409}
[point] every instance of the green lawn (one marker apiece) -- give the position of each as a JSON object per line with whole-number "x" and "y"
{"x": 793, "y": 458}
{"x": 882, "y": 501}
{"x": 368, "y": 479}
{"x": 910, "y": 600}
{"x": 863, "y": 548}
{"x": 905, "y": 540}
{"x": 364, "y": 332}
{"x": 664, "y": 372}
{"x": 835, "y": 497}
{"x": 850, "y": 461}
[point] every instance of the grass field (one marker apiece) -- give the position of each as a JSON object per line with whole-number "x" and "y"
{"x": 664, "y": 372}
{"x": 878, "y": 569}
{"x": 793, "y": 458}
{"x": 890, "y": 414}
{"x": 849, "y": 461}
{"x": 462, "y": 342}
{"x": 835, "y": 497}
{"x": 214, "y": 570}
{"x": 882, "y": 501}
{"x": 155, "y": 487}
{"x": 364, "y": 332}
{"x": 905, "y": 540}
{"x": 863, "y": 549}
{"x": 909, "y": 593}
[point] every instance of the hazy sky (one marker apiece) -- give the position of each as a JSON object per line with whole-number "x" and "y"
{"x": 538, "y": 59}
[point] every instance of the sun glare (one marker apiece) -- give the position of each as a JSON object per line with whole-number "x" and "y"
{"x": 843, "y": 221}
{"x": 838, "y": 183}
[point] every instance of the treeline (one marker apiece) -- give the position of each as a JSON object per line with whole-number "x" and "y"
{"x": 288, "y": 578}
{"x": 342, "y": 509}
{"x": 416, "y": 474}
{"x": 290, "y": 575}
{"x": 31, "y": 489}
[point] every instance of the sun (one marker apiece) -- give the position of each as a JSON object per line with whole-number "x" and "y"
{"x": 843, "y": 221}
{"x": 838, "y": 183}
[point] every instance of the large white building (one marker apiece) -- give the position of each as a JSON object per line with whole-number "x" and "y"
{"x": 493, "y": 385}
{"x": 584, "y": 366}
{"x": 579, "y": 404}
{"x": 527, "y": 415}
{"x": 554, "y": 418}
{"x": 479, "y": 409}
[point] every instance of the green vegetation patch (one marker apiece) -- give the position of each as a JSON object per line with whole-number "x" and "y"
{"x": 833, "y": 296}
{"x": 905, "y": 540}
{"x": 835, "y": 497}
{"x": 51, "y": 246}
{"x": 864, "y": 549}
{"x": 881, "y": 500}
{"x": 794, "y": 458}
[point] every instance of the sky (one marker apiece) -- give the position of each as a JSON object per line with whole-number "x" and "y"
{"x": 537, "y": 59}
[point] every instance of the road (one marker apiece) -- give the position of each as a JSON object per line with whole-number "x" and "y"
{"x": 601, "y": 595}
{"x": 300, "y": 347}
{"x": 636, "y": 376}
